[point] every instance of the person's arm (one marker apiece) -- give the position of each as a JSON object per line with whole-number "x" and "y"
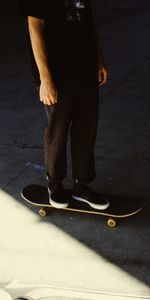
{"x": 48, "y": 91}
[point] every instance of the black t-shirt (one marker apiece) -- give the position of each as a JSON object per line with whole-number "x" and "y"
{"x": 69, "y": 35}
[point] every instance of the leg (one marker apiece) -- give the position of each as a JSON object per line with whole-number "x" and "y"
{"x": 59, "y": 118}
{"x": 83, "y": 136}
{"x": 83, "y": 132}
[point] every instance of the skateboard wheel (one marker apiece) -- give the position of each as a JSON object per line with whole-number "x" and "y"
{"x": 43, "y": 212}
{"x": 111, "y": 223}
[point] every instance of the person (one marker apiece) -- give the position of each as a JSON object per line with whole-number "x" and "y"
{"x": 68, "y": 67}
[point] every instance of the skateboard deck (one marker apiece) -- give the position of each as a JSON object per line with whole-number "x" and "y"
{"x": 120, "y": 207}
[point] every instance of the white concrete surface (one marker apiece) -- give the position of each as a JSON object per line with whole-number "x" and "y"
{"x": 4, "y": 295}
{"x": 35, "y": 253}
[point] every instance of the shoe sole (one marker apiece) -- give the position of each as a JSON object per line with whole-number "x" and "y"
{"x": 98, "y": 206}
{"x": 56, "y": 204}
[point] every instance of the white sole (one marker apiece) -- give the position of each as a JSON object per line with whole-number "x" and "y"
{"x": 98, "y": 206}
{"x": 56, "y": 204}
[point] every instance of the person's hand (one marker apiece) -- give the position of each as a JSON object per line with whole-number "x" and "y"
{"x": 102, "y": 74}
{"x": 48, "y": 92}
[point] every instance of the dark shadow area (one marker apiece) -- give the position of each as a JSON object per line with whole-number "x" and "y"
{"x": 122, "y": 149}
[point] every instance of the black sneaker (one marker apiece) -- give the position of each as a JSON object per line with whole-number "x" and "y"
{"x": 58, "y": 197}
{"x": 85, "y": 194}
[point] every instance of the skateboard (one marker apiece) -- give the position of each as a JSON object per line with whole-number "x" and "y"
{"x": 120, "y": 207}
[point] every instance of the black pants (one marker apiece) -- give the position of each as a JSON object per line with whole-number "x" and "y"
{"x": 76, "y": 112}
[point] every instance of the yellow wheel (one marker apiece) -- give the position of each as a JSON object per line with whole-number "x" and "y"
{"x": 43, "y": 212}
{"x": 111, "y": 223}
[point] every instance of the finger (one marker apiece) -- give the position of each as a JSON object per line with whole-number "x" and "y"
{"x": 104, "y": 78}
{"x": 54, "y": 99}
{"x": 46, "y": 100}
{"x": 100, "y": 78}
{"x": 49, "y": 101}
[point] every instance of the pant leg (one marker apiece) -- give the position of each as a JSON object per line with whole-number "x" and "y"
{"x": 83, "y": 131}
{"x": 59, "y": 118}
